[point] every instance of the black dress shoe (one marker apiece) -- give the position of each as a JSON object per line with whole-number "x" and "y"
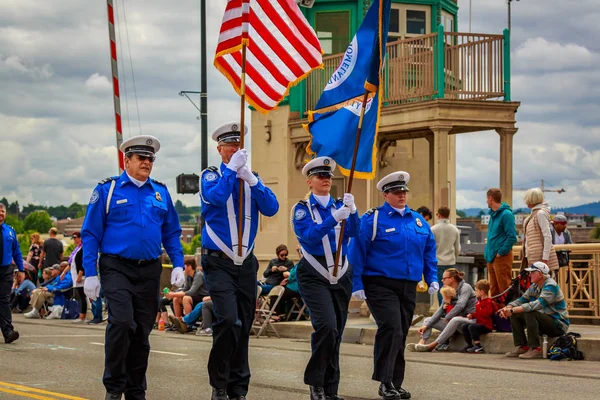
{"x": 317, "y": 393}
{"x": 11, "y": 337}
{"x": 334, "y": 397}
{"x": 387, "y": 391}
{"x": 403, "y": 393}
{"x": 219, "y": 394}
{"x": 113, "y": 396}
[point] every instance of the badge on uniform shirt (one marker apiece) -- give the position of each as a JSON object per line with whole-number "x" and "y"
{"x": 95, "y": 197}
{"x": 210, "y": 176}
{"x": 158, "y": 196}
{"x": 299, "y": 214}
{"x": 419, "y": 223}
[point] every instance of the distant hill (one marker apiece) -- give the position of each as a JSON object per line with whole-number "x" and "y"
{"x": 588, "y": 209}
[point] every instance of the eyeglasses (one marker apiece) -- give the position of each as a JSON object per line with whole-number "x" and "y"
{"x": 144, "y": 158}
{"x": 559, "y": 222}
{"x": 74, "y": 237}
{"x": 445, "y": 277}
{"x": 283, "y": 254}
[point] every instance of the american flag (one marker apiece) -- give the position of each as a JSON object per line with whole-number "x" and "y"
{"x": 282, "y": 49}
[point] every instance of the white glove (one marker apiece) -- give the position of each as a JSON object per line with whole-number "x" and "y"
{"x": 433, "y": 288}
{"x": 359, "y": 294}
{"x": 247, "y": 175}
{"x": 238, "y": 160}
{"x": 91, "y": 287}
{"x": 341, "y": 213}
{"x": 349, "y": 202}
{"x": 177, "y": 277}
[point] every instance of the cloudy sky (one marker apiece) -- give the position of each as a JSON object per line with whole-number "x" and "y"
{"x": 56, "y": 110}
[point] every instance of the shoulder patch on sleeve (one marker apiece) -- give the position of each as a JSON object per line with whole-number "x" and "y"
{"x": 210, "y": 174}
{"x": 159, "y": 182}
{"x": 109, "y": 179}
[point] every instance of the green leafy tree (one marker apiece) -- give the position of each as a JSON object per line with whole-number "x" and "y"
{"x": 38, "y": 221}
{"x": 4, "y": 201}
{"x": 596, "y": 233}
{"x": 461, "y": 214}
{"x": 14, "y": 208}
{"x": 13, "y": 221}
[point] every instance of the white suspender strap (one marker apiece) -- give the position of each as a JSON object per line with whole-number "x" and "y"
{"x": 110, "y": 193}
{"x": 327, "y": 273}
{"x": 325, "y": 240}
{"x": 375, "y": 224}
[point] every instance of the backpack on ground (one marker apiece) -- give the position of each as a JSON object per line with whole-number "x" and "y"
{"x": 70, "y": 310}
{"x": 565, "y": 348}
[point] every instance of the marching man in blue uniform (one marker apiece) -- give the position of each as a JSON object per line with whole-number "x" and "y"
{"x": 230, "y": 278}
{"x": 9, "y": 251}
{"x": 394, "y": 249}
{"x": 127, "y": 219}
{"x": 317, "y": 224}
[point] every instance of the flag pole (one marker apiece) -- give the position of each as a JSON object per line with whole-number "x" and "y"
{"x": 351, "y": 178}
{"x": 242, "y": 129}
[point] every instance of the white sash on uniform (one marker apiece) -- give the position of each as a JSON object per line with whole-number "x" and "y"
{"x": 327, "y": 272}
{"x": 233, "y": 231}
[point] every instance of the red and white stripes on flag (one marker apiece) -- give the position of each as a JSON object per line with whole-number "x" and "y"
{"x": 115, "y": 79}
{"x": 281, "y": 49}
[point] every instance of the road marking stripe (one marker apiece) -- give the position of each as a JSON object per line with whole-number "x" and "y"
{"x": 26, "y": 389}
{"x": 23, "y": 394}
{"x": 151, "y": 351}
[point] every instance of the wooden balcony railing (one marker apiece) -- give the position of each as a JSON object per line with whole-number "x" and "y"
{"x": 444, "y": 65}
{"x": 580, "y": 281}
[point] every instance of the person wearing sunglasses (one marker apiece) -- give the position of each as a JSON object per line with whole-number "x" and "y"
{"x": 317, "y": 223}
{"x": 560, "y": 233}
{"x": 128, "y": 220}
{"x": 394, "y": 250}
{"x": 276, "y": 268}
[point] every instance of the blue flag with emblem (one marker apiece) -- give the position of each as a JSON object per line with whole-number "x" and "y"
{"x": 334, "y": 122}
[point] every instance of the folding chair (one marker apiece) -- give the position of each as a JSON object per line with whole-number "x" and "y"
{"x": 262, "y": 320}
{"x": 298, "y": 307}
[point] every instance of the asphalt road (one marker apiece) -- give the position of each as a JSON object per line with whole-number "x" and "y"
{"x": 60, "y": 360}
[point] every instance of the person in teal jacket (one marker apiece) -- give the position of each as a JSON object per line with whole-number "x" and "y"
{"x": 502, "y": 235}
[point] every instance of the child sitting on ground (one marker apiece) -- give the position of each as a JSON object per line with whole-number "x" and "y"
{"x": 448, "y": 294}
{"x": 484, "y": 309}
{"x": 437, "y": 320}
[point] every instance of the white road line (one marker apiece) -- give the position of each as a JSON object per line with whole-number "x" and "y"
{"x": 151, "y": 351}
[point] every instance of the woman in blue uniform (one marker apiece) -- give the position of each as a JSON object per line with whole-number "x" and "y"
{"x": 393, "y": 250}
{"x": 317, "y": 223}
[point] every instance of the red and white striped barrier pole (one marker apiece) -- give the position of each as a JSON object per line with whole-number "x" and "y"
{"x": 115, "y": 76}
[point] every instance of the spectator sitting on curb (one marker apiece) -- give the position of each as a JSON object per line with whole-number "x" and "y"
{"x": 465, "y": 305}
{"x": 437, "y": 321}
{"x": 191, "y": 287}
{"x": 21, "y": 294}
{"x": 484, "y": 309}
{"x": 541, "y": 310}
{"x": 185, "y": 324}
{"x": 52, "y": 291}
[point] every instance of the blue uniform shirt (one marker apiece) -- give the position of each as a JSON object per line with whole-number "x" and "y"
{"x": 12, "y": 251}
{"x": 138, "y": 220}
{"x": 216, "y": 189}
{"x": 310, "y": 233}
{"x": 403, "y": 248}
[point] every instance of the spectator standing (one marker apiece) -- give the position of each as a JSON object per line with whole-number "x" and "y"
{"x": 276, "y": 269}
{"x": 316, "y": 222}
{"x": 542, "y": 310}
{"x": 9, "y": 251}
{"x": 52, "y": 250}
{"x": 447, "y": 241}
{"x": 537, "y": 237}
{"x": 75, "y": 268}
{"x": 33, "y": 256}
{"x": 394, "y": 250}
{"x": 560, "y": 233}
{"x": 231, "y": 277}
{"x": 128, "y": 218}
{"x": 502, "y": 235}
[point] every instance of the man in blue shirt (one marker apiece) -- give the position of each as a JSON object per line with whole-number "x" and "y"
{"x": 127, "y": 219}
{"x": 9, "y": 251}
{"x": 231, "y": 278}
{"x": 394, "y": 249}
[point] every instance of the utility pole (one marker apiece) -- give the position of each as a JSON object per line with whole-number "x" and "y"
{"x": 203, "y": 90}
{"x": 509, "y": 17}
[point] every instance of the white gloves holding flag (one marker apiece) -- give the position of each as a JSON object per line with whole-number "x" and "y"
{"x": 247, "y": 175}
{"x": 349, "y": 202}
{"x": 91, "y": 287}
{"x": 433, "y": 288}
{"x": 359, "y": 294}
{"x": 341, "y": 213}
{"x": 238, "y": 160}
{"x": 177, "y": 277}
